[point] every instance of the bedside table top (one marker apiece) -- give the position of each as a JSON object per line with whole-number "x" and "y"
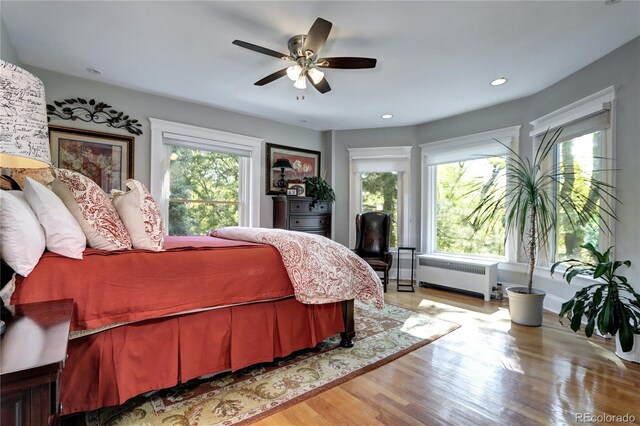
{"x": 36, "y": 336}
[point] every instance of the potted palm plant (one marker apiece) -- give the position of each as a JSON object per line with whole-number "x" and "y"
{"x": 319, "y": 189}
{"x": 528, "y": 206}
{"x": 611, "y": 304}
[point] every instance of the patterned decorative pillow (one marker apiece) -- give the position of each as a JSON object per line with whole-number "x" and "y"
{"x": 141, "y": 216}
{"x": 93, "y": 210}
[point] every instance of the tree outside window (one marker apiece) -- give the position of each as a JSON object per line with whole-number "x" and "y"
{"x": 205, "y": 187}
{"x": 459, "y": 188}
{"x": 579, "y": 158}
{"x": 380, "y": 193}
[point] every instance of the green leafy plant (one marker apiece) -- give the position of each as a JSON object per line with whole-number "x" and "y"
{"x": 611, "y": 304}
{"x": 319, "y": 189}
{"x": 530, "y": 202}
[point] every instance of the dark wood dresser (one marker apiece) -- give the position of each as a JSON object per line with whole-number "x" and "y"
{"x": 33, "y": 352}
{"x": 302, "y": 214}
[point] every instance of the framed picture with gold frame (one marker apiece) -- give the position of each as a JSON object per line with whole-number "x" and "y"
{"x": 305, "y": 163}
{"x": 105, "y": 158}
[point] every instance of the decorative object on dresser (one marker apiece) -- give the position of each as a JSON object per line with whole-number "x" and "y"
{"x": 92, "y": 111}
{"x": 282, "y": 164}
{"x": 105, "y": 158}
{"x": 302, "y": 214}
{"x": 304, "y": 163}
{"x": 33, "y": 351}
{"x": 319, "y": 189}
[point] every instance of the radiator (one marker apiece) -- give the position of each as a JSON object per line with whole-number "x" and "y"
{"x": 478, "y": 276}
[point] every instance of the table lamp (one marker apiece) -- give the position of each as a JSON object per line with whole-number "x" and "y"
{"x": 24, "y": 137}
{"x": 282, "y": 164}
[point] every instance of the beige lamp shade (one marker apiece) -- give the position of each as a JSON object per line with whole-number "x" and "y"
{"x": 24, "y": 135}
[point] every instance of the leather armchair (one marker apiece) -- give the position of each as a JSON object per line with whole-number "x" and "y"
{"x": 373, "y": 231}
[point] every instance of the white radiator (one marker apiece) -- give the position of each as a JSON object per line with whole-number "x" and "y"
{"x": 478, "y": 276}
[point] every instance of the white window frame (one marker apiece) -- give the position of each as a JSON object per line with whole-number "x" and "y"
{"x": 462, "y": 146}
{"x": 604, "y": 100}
{"x": 381, "y": 159}
{"x": 208, "y": 139}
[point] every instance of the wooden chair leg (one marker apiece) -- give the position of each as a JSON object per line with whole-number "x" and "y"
{"x": 386, "y": 279}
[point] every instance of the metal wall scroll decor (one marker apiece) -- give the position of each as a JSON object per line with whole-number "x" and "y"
{"x": 92, "y": 111}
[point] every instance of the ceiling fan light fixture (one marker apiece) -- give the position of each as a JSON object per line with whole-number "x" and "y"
{"x": 316, "y": 75}
{"x": 301, "y": 83}
{"x": 293, "y": 72}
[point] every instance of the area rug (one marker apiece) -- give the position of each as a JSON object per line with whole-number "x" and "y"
{"x": 252, "y": 393}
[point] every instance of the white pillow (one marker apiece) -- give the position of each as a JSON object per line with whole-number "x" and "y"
{"x": 92, "y": 209}
{"x": 141, "y": 216}
{"x": 62, "y": 232}
{"x": 22, "y": 239}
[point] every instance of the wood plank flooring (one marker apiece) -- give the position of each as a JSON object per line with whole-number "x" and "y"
{"x": 487, "y": 372}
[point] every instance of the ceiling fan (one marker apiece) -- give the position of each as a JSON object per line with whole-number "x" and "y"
{"x": 303, "y": 50}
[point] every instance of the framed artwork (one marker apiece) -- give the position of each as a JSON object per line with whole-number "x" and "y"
{"x": 105, "y": 158}
{"x": 299, "y": 188}
{"x": 304, "y": 161}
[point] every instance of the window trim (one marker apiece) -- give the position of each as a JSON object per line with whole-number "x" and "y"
{"x": 385, "y": 156}
{"x": 205, "y": 138}
{"x": 510, "y": 136}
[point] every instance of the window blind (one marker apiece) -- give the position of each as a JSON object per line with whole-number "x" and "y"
{"x": 583, "y": 126}
{"x": 205, "y": 144}
{"x": 489, "y": 148}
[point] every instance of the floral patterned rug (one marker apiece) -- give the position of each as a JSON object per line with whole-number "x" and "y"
{"x": 252, "y": 393}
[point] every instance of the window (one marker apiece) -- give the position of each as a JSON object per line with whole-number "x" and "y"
{"x": 454, "y": 172}
{"x": 204, "y": 190}
{"x": 379, "y": 180}
{"x": 585, "y": 147}
{"x": 380, "y": 193}
{"x": 204, "y": 178}
{"x": 459, "y": 188}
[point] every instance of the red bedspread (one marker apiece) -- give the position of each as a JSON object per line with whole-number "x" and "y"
{"x": 134, "y": 285}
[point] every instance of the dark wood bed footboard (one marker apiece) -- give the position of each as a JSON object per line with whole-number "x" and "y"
{"x": 349, "y": 325}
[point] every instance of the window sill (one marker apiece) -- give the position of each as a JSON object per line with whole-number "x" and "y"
{"x": 545, "y": 272}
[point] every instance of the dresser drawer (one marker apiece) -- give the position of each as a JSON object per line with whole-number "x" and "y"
{"x": 305, "y": 222}
{"x": 305, "y": 207}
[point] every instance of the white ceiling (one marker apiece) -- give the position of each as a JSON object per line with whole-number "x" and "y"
{"x": 435, "y": 59}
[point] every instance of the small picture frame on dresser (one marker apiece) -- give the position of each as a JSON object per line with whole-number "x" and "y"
{"x": 292, "y": 191}
{"x": 300, "y": 188}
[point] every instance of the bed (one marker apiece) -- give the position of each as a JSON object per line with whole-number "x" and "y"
{"x": 148, "y": 320}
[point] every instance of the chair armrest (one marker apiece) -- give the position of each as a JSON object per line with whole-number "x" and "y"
{"x": 388, "y": 258}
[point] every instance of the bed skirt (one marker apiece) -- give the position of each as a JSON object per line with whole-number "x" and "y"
{"x": 114, "y": 365}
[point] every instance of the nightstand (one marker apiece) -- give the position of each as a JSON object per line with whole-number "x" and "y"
{"x": 32, "y": 354}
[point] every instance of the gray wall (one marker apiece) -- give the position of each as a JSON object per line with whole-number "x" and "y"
{"x": 390, "y": 136}
{"x": 144, "y": 105}
{"x": 620, "y": 68}
{"x": 7, "y": 51}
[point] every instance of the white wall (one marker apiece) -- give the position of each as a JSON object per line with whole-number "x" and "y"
{"x": 144, "y": 105}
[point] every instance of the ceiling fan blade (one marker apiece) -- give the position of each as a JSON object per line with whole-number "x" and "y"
{"x": 322, "y": 85}
{"x": 347, "y": 63}
{"x": 262, "y": 50}
{"x": 317, "y": 35}
{"x": 271, "y": 77}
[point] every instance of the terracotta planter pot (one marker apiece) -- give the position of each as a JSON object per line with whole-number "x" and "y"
{"x": 526, "y": 309}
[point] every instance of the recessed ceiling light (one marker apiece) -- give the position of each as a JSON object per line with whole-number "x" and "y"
{"x": 94, "y": 71}
{"x": 498, "y": 81}
{"x": 303, "y": 121}
{"x": 387, "y": 115}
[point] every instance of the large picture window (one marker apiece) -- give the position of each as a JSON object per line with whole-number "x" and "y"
{"x": 204, "y": 178}
{"x": 455, "y": 177}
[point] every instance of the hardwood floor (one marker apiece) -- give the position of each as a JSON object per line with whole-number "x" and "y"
{"x": 489, "y": 371}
